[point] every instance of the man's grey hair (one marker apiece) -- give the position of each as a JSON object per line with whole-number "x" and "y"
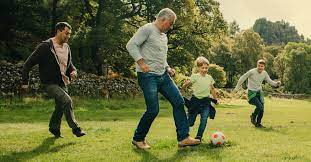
{"x": 166, "y": 14}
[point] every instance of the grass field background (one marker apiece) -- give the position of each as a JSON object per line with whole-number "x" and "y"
{"x": 110, "y": 125}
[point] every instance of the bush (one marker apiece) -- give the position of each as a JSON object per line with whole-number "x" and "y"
{"x": 297, "y": 74}
{"x": 218, "y": 74}
{"x": 87, "y": 85}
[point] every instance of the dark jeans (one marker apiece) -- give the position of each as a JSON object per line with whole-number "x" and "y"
{"x": 63, "y": 105}
{"x": 204, "y": 113}
{"x": 151, "y": 84}
{"x": 259, "y": 110}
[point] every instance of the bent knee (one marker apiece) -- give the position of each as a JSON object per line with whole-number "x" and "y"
{"x": 67, "y": 101}
{"x": 152, "y": 114}
{"x": 261, "y": 108}
{"x": 179, "y": 102}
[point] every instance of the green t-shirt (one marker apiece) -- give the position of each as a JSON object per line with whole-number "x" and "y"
{"x": 201, "y": 85}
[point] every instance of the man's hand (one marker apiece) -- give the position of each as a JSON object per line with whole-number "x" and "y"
{"x": 73, "y": 75}
{"x": 278, "y": 83}
{"x": 144, "y": 67}
{"x": 171, "y": 71}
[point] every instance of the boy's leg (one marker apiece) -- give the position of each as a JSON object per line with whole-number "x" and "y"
{"x": 191, "y": 118}
{"x": 203, "y": 121}
{"x": 260, "y": 114}
{"x": 256, "y": 101}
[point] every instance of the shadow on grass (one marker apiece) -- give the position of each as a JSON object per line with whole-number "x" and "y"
{"x": 275, "y": 129}
{"x": 205, "y": 149}
{"x": 44, "y": 148}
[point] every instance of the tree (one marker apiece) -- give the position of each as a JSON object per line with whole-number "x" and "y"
{"x": 101, "y": 28}
{"x": 270, "y": 54}
{"x": 279, "y": 32}
{"x": 218, "y": 74}
{"x": 25, "y": 22}
{"x": 247, "y": 49}
{"x": 222, "y": 55}
{"x": 199, "y": 22}
{"x": 296, "y": 62}
{"x": 233, "y": 28}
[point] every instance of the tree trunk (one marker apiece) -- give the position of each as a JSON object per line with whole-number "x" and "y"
{"x": 54, "y": 17}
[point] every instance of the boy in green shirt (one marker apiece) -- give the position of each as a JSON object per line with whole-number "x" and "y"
{"x": 200, "y": 103}
{"x": 255, "y": 78}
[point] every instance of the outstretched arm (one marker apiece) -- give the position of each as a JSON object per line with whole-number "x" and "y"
{"x": 242, "y": 80}
{"x": 271, "y": 82}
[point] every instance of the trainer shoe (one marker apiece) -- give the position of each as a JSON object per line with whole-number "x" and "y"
{"x": 259, "y": 126}
{"x": 188, "y": 142}
{"x": 141, "y": 145}
{"x": 78, "y": 132}
{"x": 55, "y": 132}
{"x": 253, "y": 119}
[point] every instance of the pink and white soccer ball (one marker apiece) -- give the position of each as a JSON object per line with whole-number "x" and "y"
{"x": 218, "y": 138}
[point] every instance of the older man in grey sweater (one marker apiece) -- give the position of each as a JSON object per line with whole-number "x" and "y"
{"x": 148, "y": 47}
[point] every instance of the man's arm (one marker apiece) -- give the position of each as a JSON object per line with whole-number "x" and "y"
{"x": 72, "y": 69}
{"x": 271, "y": 82}
{"x": 31, "y": 61}
{"x": 242, "y": 80}
{"x": 133, "y": 46}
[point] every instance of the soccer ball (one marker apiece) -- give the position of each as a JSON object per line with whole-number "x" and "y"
{"x": 218, "y": 138}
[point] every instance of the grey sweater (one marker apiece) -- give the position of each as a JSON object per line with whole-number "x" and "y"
{"x": 151, "y": 45}
{"x": 255, "y": 80}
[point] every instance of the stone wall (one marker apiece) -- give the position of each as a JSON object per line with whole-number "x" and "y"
{"x": 88, "y": 85}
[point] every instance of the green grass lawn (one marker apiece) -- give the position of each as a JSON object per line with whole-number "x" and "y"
{"x": 110, "y": 124}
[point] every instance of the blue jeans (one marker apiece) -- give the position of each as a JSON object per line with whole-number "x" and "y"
{"x": 204, "y": 113}
{"x": 151, "y": 84}
{"x": 259, "y": 110}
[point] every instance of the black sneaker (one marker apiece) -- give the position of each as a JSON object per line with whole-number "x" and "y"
{"x": 253, "y": 119}
{"x": 56, "y": 133}
{"x": 259, "y": 126}
{"x": 78, "y": 132}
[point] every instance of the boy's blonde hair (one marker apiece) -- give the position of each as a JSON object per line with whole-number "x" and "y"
{"x": 200, "y": 61}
